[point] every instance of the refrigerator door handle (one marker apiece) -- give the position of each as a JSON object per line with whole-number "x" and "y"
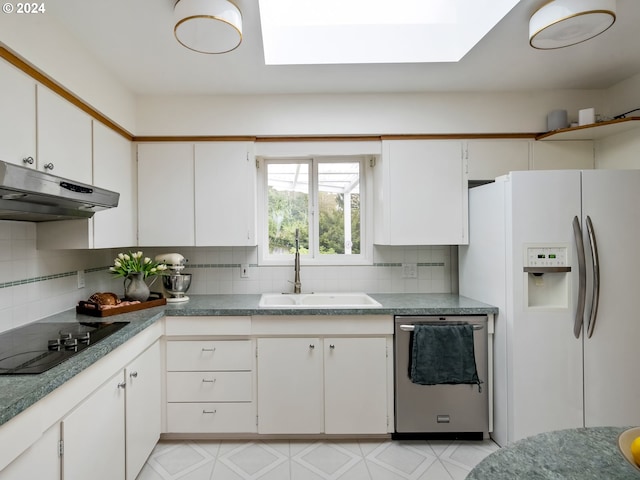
{"x": 595, "y": 298}
{"x": 582, "y": 278}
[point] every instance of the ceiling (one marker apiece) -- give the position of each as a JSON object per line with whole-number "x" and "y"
{"x": 134, "y": 40}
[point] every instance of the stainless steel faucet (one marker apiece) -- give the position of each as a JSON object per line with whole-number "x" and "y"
{"x": 297, "y": 286}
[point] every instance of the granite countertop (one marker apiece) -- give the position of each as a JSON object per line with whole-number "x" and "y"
{"x": 574, "y": 454}
{"x": 392, "y": 304}
{"x": 18, "y": 392}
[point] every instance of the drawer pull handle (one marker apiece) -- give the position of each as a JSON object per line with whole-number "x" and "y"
{"x": 208, "y": 349}
{"x": 208, "y": 412}
{"x": 204, "y": 380}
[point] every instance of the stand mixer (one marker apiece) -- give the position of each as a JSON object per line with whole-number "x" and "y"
{"x": 174, "y": 282}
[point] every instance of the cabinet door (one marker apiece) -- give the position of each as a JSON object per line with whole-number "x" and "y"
{"x": 64, "y": 137}
{"x": 40, "y": 461}
{"x": 17, "y": 115}
{"x": 290, "y": 385}
{"x": 355, "y": 385}
{"x": 165, "y": 194}
{"x": 563, "y": 155}
{"x": 488, "y": 159}
{"x": 94, "y": 436}
{"x": 143, "y": 403}
{"x": 114, "y": 169}
{"x": 423, "y": 199}
{"x": 225, "y": 191}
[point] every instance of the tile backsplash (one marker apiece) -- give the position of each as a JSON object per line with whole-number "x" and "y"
{"x": 37, "y": 283}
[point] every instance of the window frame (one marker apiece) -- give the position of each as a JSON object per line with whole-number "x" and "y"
{"x": 314, "y": 257}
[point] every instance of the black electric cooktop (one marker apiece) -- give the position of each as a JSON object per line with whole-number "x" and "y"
{"x": 37, "y": 347}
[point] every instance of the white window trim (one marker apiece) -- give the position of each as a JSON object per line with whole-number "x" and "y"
{"x": 366, "y": 229}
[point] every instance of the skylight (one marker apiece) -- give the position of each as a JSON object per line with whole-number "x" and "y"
{"x": 305, "y": 32}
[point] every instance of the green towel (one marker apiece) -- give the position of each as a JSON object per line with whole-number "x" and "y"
{"x": 443, "y": 354}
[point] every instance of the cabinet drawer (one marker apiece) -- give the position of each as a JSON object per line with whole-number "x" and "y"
{"x": 209, "y": 355}
{"x": 211, "y": 418}
{"x": 209, "y": 386}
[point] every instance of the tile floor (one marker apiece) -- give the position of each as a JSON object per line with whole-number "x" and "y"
{"x": 315, "y": 460}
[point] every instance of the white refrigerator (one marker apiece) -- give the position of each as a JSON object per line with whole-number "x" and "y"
{"x": 559, "y": 253}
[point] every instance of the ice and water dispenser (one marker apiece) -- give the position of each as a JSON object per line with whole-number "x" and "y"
{"x": 548, "y": 279}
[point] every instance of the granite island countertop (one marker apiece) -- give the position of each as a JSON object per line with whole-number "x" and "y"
{"x": 573, "y": 454}
{"x": 18, "y": 392}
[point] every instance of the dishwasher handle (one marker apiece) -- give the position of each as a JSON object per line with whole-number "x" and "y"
{"x": 411, "y": 328}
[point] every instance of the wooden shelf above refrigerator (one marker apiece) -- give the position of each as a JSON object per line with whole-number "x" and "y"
{"x": 593, "y": 131}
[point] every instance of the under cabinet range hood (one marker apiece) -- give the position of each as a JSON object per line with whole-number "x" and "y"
{"x": 30, "y": 195}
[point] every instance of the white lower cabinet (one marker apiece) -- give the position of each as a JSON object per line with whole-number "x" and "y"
{"x": 330, "y": 385}
{"x": 112, "y": 432}
{"x": 355, "y": 386}
{"x": 288, "y": 375}
{"x": 40, "y": 461}
{"x": 94, "y": 435}
{"x": 210, "y": 386}
{"x": 290, "y": 385}
{"x": 97, "y": 429}
{"x": 143, "y": 408}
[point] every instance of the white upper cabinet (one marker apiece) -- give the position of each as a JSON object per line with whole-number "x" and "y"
{"x": 63, "y": 136}
{"x": 165, "y": 194}
{"x": 225, "y": 194}
{"x": 202, "y": 194}
{"x": 488, "y": 159}
{"x": 17, "y": 115}
{"x": 113, "y": 169}
{"x": 420, "y": 193}
{"x": 561, "y": 155}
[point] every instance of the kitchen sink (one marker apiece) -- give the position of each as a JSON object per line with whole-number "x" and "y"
{"x": 317, "y": 300}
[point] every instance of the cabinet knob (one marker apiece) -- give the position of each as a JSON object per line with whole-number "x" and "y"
{"x": 209, "y": 412}
{"x": 133, "y": 374}
{"x": 28, "y": 160}
{"x": 332, "y": 347}
{"x": 122, "y": 385}
{"x": 312, "y": 346}
{"x": 48, "y": 166}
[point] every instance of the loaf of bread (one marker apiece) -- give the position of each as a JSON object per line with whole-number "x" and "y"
{"x": 105, "y": 298}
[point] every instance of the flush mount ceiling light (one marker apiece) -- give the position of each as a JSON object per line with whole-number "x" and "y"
{"x": 561, "y": 23}
{"x": 208, "y": 26}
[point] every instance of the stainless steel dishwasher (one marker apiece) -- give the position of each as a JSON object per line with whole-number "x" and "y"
{"x": 440, "y": 411}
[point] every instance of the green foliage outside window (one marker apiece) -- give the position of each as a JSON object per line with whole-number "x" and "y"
{"x": 288, "y": 211}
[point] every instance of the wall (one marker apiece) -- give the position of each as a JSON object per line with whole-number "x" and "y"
{"x": 358, "y": 114}
{"x": 217, "y": 271}
{"x": 35, "y": 284}
{"x": 619, "y": 151}
{"x": 40, "y": 41}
